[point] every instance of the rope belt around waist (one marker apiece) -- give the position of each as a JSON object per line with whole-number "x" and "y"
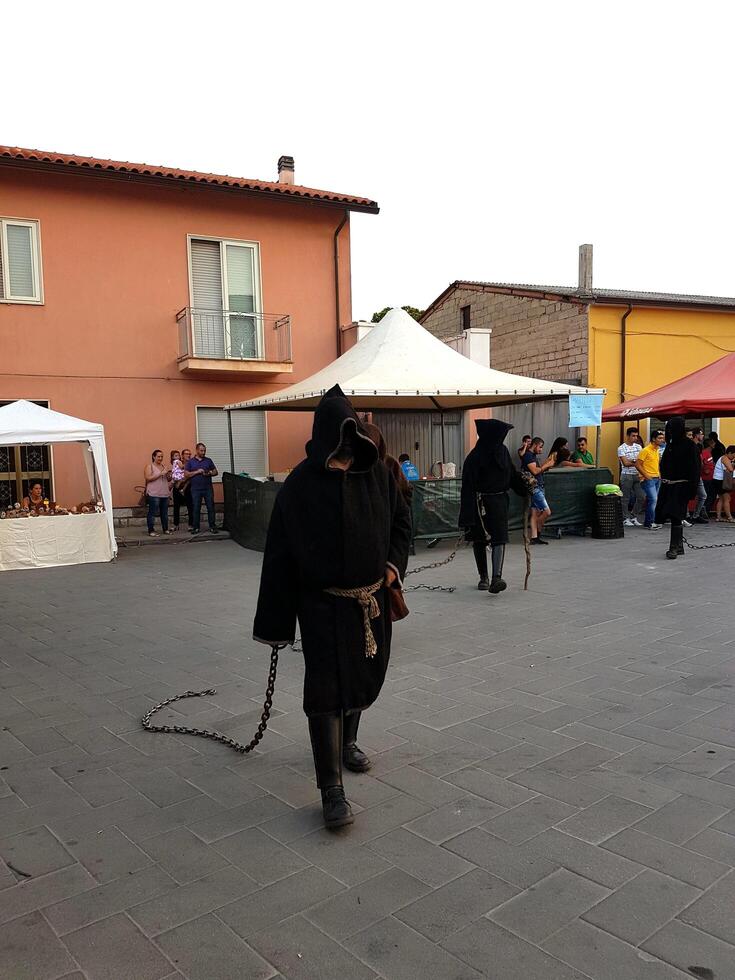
{"x": 671, "y": 482}
{"x": 365, "y": 597}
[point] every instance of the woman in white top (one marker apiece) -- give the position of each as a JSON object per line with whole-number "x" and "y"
{"x": 722, "y": 483}
{"x": 157, "y": 490}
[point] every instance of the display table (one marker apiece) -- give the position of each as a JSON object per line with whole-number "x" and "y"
{"x": 42, "y": 542}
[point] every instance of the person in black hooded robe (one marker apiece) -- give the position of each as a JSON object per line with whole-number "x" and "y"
{"x": 339, "y": 525}
{"x": 680, "y": 469}
{"x": 487, "y": 475}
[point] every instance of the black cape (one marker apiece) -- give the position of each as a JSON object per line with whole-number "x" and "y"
{"x": 331, "y": 528}
{"x": 681, "y": 461}
{"x": 488, "y": 470}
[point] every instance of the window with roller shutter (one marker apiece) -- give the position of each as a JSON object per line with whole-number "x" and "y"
{"x": 224, "y": 290}
{"x": 20, "y": 261}
{"x": 248, "y": 451}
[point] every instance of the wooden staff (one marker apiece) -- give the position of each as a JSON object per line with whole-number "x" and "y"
{"x": 526, "y": 543}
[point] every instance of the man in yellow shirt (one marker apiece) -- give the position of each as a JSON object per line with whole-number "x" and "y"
{"x": 647, "y": 465}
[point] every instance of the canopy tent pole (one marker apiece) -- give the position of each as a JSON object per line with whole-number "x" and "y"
{"x": 229, "y": 434}
{"x": 441, "y": 423}
{"x": 597, "y": 445}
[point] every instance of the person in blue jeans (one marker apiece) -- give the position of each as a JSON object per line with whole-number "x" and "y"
{"x": 156, "y": 492}
{"x": 647, "y": 465}
{"x": 201, "y": 469}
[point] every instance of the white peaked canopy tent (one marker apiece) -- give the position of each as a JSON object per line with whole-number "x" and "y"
{"x": 401, "y": 366}
{"x": 25, "y": 423}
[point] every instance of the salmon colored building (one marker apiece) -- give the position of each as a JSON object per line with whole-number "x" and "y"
{"x": 147, "y": 298}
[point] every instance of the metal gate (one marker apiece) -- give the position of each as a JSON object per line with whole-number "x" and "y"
{"x": 21, "y": 467}
{"x": 419, "y": 435}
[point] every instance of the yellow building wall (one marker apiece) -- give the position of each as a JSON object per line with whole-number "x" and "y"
{"x": 662, "y": 345}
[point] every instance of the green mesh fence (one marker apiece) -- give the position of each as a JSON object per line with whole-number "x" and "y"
{"x": 435, "y": 507}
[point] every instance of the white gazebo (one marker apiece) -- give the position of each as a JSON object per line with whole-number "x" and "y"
{"x": 58, "y": 540}
{"x": 401, "y": 366}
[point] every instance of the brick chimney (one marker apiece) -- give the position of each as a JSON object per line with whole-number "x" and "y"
{"x": 285, "y": 170}
{"x": 585, "y": 269}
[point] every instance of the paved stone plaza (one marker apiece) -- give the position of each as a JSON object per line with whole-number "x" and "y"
{"x": 553, "y": 791}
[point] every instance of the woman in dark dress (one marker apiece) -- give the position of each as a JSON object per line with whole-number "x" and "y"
{"x": 487, "y": 475}
{"x": 338, "y": 540}
{"x": 680, "y": 469}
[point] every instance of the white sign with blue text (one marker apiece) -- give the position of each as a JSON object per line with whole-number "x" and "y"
{"x": 585, "y": 410}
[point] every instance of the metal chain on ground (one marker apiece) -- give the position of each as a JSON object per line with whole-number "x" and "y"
{"x": 434, "y": 564}
{"x": 217, "y": 736}
{"x": 431, "y": 588}
{"x": 437, "y": 564}
{"x": 709, "y": 547}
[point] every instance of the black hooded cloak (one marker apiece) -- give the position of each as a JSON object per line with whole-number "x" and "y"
{"x": 333, "y": 529}
{"x": 680, "y": 468}
{"x": 488, "y": 470}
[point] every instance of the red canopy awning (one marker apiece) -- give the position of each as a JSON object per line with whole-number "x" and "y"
{"x": 708, "y": 392}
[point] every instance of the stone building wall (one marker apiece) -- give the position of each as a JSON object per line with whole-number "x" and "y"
{"x": 533, "y": 337}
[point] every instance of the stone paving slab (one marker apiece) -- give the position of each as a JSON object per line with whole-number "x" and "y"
{"x": 552, "y": 796}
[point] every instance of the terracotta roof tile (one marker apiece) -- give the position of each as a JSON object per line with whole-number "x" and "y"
{"x": 68, "y": 162}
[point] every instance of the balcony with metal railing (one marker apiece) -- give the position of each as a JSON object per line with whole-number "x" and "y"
{"x": 227, "y": 342}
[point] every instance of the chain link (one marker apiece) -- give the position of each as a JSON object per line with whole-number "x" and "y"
{"x": 217, "y": 736}
{"x": 431, "y": 588}
{"x": 709, "y": 547}
{"x": 436, "y": 564}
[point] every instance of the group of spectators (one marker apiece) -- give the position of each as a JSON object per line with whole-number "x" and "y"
{"x": 640, "y": 477}
{"x": 559, "y": 455}
{"x": 187, "y": 481}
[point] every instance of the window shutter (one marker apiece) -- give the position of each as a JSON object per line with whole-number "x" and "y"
{"x": 20, "y": 261}
{"x": 248, "y": 440}
{"x": 212, "y": 431}
{"x": 249, "y": 443}
{"x": 206, "y": 284}
{"x": 2, "y": 278}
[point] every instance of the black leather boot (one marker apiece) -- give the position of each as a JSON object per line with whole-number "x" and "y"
{"x": 680, "y": 541}
{"x": 353, "y": 757}
{"x": 676, "y": 543}
{"x": 326, "y": 744}
{"x": 497, "y": 554}
{"x": 480, "y": 551}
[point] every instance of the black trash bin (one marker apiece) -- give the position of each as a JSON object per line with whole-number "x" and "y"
{"x": 608, "y": 519}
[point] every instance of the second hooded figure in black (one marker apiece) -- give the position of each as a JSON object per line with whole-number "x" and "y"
{"x": 487, "y": 475}
{"x": 338, "y": 539}
{"x": 680, "y": 469}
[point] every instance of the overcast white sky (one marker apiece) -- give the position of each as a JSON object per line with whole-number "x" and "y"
{"x": 495, "y": 137}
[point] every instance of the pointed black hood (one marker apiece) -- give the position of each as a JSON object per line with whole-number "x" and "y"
{"x": 334, "y": 422}
{"x": 675, "y": 430}
{"x": 492, "y": 431}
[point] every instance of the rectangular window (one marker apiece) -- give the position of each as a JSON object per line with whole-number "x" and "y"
{"x": 224, "y": 292}
{"x": 464, "y": 318}
{"x": 20, "y": 261}
{"x": 244, "y": 450}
